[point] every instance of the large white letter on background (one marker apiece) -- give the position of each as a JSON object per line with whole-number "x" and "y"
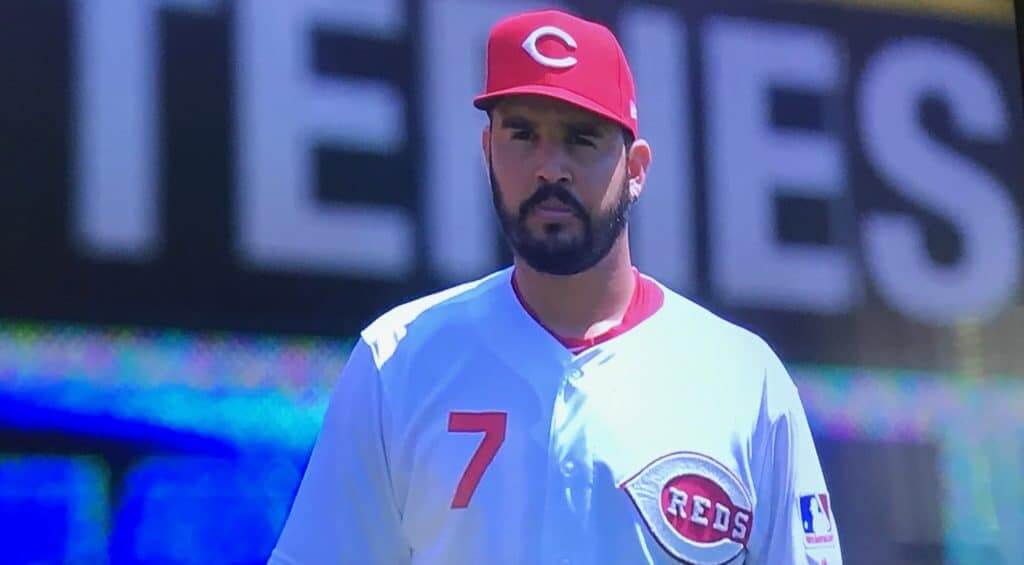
{"x": 751, "y": 161}
{"x": 285, "y": 110}
{"x": 933, "y": 176}
{"x": 664, "y": 221}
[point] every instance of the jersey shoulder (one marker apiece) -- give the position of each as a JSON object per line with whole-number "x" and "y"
{"x": 699, "y": 331}
{"x": 697, "y": 324}
{"x": 727, "y": 348}
{"x": 429, "y": 315}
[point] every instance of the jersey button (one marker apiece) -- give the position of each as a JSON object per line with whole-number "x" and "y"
{"x": 575, "y": 374}
{"x": 567, "y": 468}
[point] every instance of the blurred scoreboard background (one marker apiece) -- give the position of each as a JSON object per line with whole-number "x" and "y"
{"x": 203, "y": 201}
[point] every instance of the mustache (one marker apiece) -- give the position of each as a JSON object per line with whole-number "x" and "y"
{"x": 557, "y": 191}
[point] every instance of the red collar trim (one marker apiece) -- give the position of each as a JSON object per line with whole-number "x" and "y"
{"x": 647, "y": 299}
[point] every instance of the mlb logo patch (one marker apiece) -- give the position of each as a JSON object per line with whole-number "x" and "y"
{"x": 816, "y": 514}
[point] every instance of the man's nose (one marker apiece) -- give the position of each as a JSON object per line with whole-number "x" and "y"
{"x": 554, "y": 166}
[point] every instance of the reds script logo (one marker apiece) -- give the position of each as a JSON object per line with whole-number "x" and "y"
{"x": 696, "y": 508}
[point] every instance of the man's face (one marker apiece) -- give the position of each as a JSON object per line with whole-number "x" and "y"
{"x": 559, "y": 182}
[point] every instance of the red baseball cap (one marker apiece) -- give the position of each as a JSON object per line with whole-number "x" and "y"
{"x": 558, "y": 55}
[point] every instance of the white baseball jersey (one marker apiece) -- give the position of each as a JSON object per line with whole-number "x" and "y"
{"x": 461, "y": 431}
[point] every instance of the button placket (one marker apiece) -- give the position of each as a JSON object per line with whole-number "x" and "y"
{"x": 568, "y": 460}
{"x": 568, "y": 467}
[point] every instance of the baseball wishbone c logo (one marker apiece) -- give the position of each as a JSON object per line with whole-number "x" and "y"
{"x": 530, "y": 46}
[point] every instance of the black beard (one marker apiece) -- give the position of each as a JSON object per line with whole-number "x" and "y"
{"x": 547, "y": 255}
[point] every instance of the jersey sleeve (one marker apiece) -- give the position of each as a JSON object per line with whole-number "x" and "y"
{"x": 793, "y": 499}
{"x": 344, "y": 510}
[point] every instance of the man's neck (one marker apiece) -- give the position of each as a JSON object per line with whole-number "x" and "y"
{"x": 582, "y": 305}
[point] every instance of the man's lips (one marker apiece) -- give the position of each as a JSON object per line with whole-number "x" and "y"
{"x": 554, "y": 215}
{"x": 554, "y": 209}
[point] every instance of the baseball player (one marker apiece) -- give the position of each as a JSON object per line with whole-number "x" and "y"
{"x": 567, "y": 409}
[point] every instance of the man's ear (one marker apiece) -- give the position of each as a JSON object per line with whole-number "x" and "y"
{"x": 638, "y": 160}
{"x": 485, "y": 144}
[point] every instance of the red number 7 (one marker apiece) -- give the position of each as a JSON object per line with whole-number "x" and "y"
{"x": 492, "y": 424}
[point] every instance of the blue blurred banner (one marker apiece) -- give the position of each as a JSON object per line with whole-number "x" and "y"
{"x": 203, "y": 201}
{"x": 54, "y": 509}
{"x": 181, "y": 452}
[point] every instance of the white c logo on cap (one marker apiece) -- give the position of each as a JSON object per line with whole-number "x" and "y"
{"x": 530, "y": 45}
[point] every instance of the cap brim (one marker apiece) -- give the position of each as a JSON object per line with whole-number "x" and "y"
{"x": 486, "y": 101}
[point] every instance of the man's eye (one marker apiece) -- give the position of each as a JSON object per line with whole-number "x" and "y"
{"x": 521, "y": 134}
{"x": 582, "y": 140}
